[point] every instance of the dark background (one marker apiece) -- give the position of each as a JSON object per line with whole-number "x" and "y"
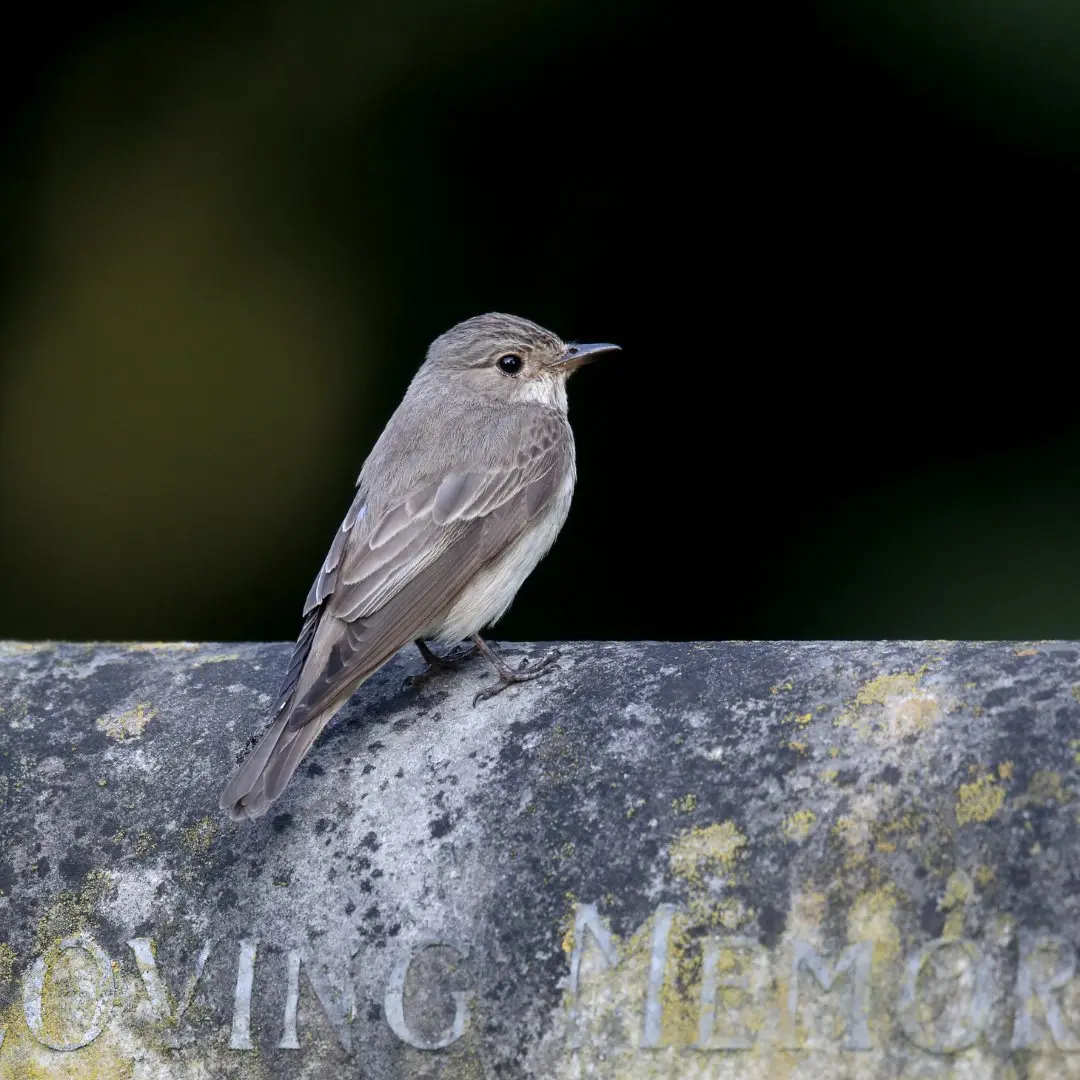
{"x": 838, "y": 244}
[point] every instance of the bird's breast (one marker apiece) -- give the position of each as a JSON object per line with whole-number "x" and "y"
{"x": 486, "y": 598}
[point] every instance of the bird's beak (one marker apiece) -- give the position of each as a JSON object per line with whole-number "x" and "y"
{"x": 577, "y": 355}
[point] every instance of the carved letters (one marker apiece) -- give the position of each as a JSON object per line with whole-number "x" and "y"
{"x": 394, "y": 1005}
{"x": 100, "y": 994}
{"x": 941, "y": 1004}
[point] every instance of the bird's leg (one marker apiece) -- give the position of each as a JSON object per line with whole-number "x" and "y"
{"x": 433, "y": 660}
{"x": 508, "y": 675}
{"x": 437, "y": 664}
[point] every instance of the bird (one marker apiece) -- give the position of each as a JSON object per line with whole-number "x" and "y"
{"x": 462, "y": 495}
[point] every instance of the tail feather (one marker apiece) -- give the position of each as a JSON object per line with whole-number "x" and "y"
{"x": 260, "y": 779}
{"x": 262, "y": 776}
{"x": 294, "y": 744}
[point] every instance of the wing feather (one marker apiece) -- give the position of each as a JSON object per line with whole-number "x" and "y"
{"x": 384, "y": 604}
{"x": 388, "y": 577}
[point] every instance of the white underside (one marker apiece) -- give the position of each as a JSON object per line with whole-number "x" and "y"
{"x": 491, "y": 592}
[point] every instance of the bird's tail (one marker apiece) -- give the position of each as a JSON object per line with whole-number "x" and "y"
{"x": 262, "y": 777}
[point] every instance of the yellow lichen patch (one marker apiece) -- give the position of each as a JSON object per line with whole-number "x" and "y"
{"x": 979, "y": 801}
{"x": 801, "y": 721}
{"x": 70, "y": 912}
{"x": 781, "y": 687}
{"x": 893, "y": 706}
{"x": 567, "y": 943}
{"x": 829, "y": 775}
{"x": 855, "y": 830}
{"x": 868, "y": 828}
{"x": 25, "y": 1058}
{"x": 126, "y": 725}
{"x": 984, "y": 875}
{"x": 958, "y": 891}
{"x": 696, "y": 858}
{"x": 907, "y": 826}
{"x": 853, "y": 834}
{"x": 732, "y": 913}
{"x": 198, "y": 837}
{"x": 197, "y": 840}
{"x": 7, "y": 961}
{"x": 910, "y": 716}
{"x": 1045, "y": 786}
{"x": 567, "y": 922}
{"x": 680, "y": 992}
{"x": 797, "y": 745}
{"x": 806, "y": 911}
{"x": 872, "y": 917}
{"x": 878, "y": 691}
{"x": 797, "y": 826}
{"x": 1005, "y": 770}
{"x": 711, "y": 849}
{"x": 217, "y": 658}
{"x": 1027, "y": 652}
{"x": 687, "y": 804}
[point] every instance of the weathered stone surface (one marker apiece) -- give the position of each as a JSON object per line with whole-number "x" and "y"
{"x": 665, "y": 860}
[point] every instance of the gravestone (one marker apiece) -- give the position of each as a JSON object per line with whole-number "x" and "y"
{"x": 739, "y": 859}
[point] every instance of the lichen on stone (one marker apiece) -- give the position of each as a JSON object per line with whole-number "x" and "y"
{"x": 71, "y": 911}
{"x": 198, "y": 838}
{"x": 797, "y": 826}
{"x": 980, "y": 800}
{"x": 128, "y": 724}
{"x": 8, "y": 959}
{"x": 709, "y": 849}
{"x": 1045, "y": 786}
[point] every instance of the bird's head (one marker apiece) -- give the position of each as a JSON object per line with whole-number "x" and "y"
{"x": 505, "y": 358}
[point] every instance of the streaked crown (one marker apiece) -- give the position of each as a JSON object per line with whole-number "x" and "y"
{"x": 475, "y": 341}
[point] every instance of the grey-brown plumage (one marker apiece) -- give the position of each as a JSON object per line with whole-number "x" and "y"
{"x": 462, "y": 495}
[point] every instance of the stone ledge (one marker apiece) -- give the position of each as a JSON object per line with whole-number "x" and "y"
{"x": 739, "y": 859}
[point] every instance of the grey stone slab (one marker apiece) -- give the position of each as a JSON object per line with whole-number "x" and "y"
{"x": 739, "y": 859}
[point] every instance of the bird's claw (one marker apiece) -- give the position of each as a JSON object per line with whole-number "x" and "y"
{"x": 439, "y": 665}
{"x": 524, "y": 673}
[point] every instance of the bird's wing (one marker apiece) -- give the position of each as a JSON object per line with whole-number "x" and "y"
{"x": 386, "y": 581}
{"x": 398, "y": 574}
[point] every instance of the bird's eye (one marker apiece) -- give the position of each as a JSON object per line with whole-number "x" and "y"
{"x": 510, "y": 364}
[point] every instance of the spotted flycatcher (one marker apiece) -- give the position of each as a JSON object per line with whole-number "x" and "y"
{"x": 462, "y": 495}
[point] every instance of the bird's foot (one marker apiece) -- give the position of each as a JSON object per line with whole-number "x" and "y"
{"x": 438, "y": 665}
{"x": 508, "y": 676}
